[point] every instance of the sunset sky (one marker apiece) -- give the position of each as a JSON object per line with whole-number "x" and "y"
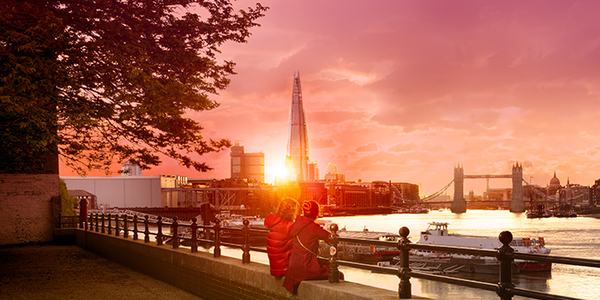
{"x": 405, "y": 90}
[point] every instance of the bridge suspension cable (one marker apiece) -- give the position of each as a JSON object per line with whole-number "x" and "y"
{"x": 397, "y": 193}
{"x": 436, "y": 194}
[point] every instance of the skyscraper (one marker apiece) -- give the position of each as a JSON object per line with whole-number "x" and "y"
{"x": 297, "y": 157}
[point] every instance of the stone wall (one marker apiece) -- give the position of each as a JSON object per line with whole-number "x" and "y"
{"x": 29, "y": 207}
{"x": 216, "y": 278}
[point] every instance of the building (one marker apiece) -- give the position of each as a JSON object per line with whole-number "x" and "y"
{"x": 313, "y": 172}
{"x": 405, "y": 192}
{"x": 313, "y": 190}
{"x": 331, "y": 174}
{"x": 554, "y": 185}
{"x": 125, "y": 191}
{"x": 297, "y": 153}
{"x": 131, "y": 169}
{"x": 249, "y": 166}
{"x": 595, "y": 193}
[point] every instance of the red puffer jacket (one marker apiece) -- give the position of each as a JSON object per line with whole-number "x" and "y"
{"x": 279, "y": 243}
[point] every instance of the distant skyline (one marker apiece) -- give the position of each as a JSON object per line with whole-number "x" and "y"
{"x": 405, "y": 90}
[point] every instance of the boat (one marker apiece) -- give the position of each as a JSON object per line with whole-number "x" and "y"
{"x": 233, "y": 224}
{"x": 361, "y": 252}
{"x": 391, "y": 267}
{"x": 437, "y": 234}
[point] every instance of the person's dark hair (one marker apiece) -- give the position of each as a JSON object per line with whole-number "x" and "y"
{"x": 310, "y": 209}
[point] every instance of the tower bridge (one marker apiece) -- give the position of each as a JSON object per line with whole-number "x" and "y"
{"x": 459, "y": 204}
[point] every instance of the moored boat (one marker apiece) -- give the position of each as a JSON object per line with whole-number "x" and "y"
{"x": 360, "y": 252}
{"x": 437, "y": 234}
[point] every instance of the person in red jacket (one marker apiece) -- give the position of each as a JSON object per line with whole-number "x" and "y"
{"x": 304, "y": 264}
{"x": 279, "y": 239}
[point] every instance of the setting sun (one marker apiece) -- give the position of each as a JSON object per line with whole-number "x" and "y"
{"x": 280, "y": 171}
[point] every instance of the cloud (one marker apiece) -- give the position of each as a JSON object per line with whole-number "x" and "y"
{"x": 371, "y": 147}
{"x": 405, "y": 90}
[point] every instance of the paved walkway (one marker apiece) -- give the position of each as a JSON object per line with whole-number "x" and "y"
{"x": 69, "y": 272}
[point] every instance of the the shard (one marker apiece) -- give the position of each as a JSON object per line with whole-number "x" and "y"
{"x": 297, "y": 156}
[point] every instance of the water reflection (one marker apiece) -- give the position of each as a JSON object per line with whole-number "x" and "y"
{"x": 566, "y": 237}
{"x": 575, "y": 237}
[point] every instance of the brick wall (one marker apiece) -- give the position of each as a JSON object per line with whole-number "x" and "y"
{"x": 29, "y": 206}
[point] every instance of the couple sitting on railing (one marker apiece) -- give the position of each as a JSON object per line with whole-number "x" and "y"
{"x": 292, "y": 246}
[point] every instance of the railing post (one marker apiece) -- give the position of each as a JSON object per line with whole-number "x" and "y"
{"x": 334, "y": 272}
{"x": 505, "y": 259}
{"x": 117, "y": 230}
{"x": 217, "y": 229}
{"x": 159, "y": 235}
{"x": 103, "y": 218}
{"x": 135, "y": 227}
{"x": 246, "y": 247}
{"x": 60, "y": 217}
{"x": 194, "y": 229}
{"x": 97, "y": 227}
{"x": 404, "y": 271}
{"x": 83, "y": 213}
{"x": 125, "y": 227}
{"x": 109, "y": 231}
{"x": 174, "y": 228}
{"x": 146, "y": 229}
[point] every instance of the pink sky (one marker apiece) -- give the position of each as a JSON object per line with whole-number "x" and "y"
{"x": 404, "y": 90}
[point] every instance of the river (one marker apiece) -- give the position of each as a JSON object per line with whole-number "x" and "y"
{"x": 573, "y": 237}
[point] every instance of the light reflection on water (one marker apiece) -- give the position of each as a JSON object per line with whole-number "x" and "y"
{"x": 574, "y": 237}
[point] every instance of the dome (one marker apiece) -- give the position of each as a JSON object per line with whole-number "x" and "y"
{"x": 554, "y": 182}
{"x": 331, "y": 168}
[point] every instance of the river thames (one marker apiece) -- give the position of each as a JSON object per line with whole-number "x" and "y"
{"x": 572, "y": 237}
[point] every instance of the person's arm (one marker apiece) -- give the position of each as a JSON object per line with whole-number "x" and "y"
{"x": 321, "y": 233}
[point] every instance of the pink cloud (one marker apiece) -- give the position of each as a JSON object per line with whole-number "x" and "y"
{"x": 405, "y": 90}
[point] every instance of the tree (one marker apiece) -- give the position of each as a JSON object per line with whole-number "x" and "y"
{"x": 99, "y": 81}
{"x": 67, "y": 203}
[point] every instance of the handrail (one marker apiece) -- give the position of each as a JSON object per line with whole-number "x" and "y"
{"x": 67, "y": 221}
{"x": 505, "y": 255}
{"x": 211, "y": 235}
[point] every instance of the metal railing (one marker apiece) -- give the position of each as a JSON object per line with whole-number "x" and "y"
{"x": 181, "y": 233}
{"x": 212, "y": 235}
{"x": 505, "y": 256}
{"x": 68, "y": 221}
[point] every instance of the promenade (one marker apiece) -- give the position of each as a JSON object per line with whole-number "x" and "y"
{"x": 43, "y": 271}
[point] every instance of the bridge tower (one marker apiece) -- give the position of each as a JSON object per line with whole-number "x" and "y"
{"x": 516, "y": 202}
{"x": 459, "y": 205}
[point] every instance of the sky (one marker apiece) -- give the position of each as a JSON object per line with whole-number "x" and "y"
{"x": 406, "y": 90}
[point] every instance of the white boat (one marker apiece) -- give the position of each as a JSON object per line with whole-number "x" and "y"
{"x": 437, "y": 234}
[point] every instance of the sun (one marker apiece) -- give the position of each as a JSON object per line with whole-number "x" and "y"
{"x": 279, "y": 171}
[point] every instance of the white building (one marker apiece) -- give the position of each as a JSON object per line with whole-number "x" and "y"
{"x": 130, "y": 169}
{"x": 125, "y": 191}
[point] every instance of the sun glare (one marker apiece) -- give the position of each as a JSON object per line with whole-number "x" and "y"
{"x": 280, "y": 171}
